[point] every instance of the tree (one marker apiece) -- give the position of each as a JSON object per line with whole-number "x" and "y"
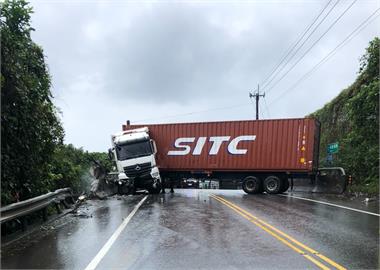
{"x": 352, "y": 119}
{"x": 70, "y": 167}
{"x": 30, "y": 126}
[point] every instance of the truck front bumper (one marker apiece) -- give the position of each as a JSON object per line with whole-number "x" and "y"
{"x": 147, "y": 179}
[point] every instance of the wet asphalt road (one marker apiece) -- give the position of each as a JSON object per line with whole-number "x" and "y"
{"x": 193, "y": 230}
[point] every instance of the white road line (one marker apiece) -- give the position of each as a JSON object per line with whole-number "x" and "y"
{"x": 96, "y": 260}
{"x": 331, "y": 204}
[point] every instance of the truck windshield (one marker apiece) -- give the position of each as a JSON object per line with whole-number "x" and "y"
{"x": 133, "y": 150}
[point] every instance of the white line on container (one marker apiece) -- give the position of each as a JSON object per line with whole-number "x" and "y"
{"x": 331, "y": 204}
{"x": 96, "y": 260}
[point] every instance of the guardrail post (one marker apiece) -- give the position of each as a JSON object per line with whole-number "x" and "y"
{"x": 72, "y": 199}
{"x": 58, "y": 208}
{"x": 65, "y": 204}
{"x": 44, "y": 214}
{"x": 4, "y": 229}
{"x": 24, "y": 223}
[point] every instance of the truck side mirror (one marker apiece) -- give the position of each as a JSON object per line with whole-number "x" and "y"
{"x": 154, "y": 147}
{"x": 110, "y": 154}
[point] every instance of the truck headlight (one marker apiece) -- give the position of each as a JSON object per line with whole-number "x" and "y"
{"x": 122, "y": 176}
{"x": 155, "y": 174}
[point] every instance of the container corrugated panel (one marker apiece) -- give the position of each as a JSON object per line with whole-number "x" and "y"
{"x": 268, "y": 145}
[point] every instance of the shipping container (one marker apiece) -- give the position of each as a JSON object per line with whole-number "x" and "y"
{"x": 262, "y": 155}
{"x": 286, "y": 145}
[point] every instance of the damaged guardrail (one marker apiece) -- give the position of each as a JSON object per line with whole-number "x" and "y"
{"x": 332, "y": 180}
{"x": 23, "y": 208}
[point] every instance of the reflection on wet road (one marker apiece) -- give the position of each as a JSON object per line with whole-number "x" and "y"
{"x": 193, "y": 229}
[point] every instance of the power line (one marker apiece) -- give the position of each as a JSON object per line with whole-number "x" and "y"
{"x": 361, "y": 27}
{"x": 303, "y": 43}
{"x": 194, "y": 112}
{"x": 354, "y": 33}
{"x": 312, "y": 46}
{"x": 291, "y": 48}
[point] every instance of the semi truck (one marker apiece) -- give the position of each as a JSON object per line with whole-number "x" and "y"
{"x": 134, "y": 154}
{"x": 263, "y": 154}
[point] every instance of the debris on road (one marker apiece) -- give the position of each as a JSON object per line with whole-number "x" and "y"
{"x": 367, "y": 200}
{"x": 46, "y": 228}
{"x": 82, "y": 214}
{"x": 103, "y": 184}
{"x": 81, "y": 198}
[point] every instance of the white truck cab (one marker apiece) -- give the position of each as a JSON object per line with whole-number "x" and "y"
{"x": 134, "y": 154}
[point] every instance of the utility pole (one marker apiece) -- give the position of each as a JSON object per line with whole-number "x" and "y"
{"x": 257, "y": 97}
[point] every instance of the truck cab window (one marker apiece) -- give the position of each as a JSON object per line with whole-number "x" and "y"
{"x": 133, "y": 150}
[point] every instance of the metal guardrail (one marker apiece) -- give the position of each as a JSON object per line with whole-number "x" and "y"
{"x": 23, "y": 208}
{"x": 337, "y": 169}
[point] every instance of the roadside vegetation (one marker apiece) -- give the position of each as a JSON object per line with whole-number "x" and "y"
{"x": 352, "y": 120}
{"x": 34, "y": 159}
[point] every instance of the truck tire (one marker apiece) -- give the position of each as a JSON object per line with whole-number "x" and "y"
{"x": 285, "y": 185}
{"x": 123, "y": 190}
{"x": 273, "y": 184}
{"x": 252, "y": 185}
{"x": 156, "y": 190}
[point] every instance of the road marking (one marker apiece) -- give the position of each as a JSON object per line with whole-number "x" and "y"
{"x": 331, "y": 204}
{"x": 312, "y": 251}
{"x": 279, "y": 235}
{"x": 318, "y": 263}
{"x": 96, "y": 260}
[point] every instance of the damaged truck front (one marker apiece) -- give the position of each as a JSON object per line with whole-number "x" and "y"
{"x": 134, "y": 154}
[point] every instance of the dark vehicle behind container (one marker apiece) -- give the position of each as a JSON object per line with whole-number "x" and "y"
{"x": 190, "y": 183}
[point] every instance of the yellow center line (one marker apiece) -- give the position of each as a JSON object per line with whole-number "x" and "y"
{"x": 318, "y": 263}
{"x": 265, "y": 226}
{"x": 272, "y": 228}
{"x": 265, "y": 229}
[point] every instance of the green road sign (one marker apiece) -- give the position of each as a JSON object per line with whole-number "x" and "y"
{"x": 332, "y": 148}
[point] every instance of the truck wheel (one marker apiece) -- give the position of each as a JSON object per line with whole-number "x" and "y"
{"x": 285, "y": 185}
{"x": 272, "y": 184}
{"x": 155, "y": 190}
{"x": 123, "y": 189}
{"x": 251, "y": 185}
{"x": 119, "y": 190}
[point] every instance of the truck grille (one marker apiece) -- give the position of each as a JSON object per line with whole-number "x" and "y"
{"x": 138, "y": 170}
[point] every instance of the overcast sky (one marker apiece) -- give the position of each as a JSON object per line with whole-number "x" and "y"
{"x": 154, "y": 62}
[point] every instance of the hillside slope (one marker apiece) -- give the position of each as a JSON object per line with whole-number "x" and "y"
{"x": 352, "y": 120}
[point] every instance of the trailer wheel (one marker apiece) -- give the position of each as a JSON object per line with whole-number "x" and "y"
{"x": 273, "y": 184}
{"x": 251, "y": 185}
{"x": 285, "y": 185}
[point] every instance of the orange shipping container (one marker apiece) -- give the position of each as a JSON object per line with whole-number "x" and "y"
{"x": 283, "y": 145}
